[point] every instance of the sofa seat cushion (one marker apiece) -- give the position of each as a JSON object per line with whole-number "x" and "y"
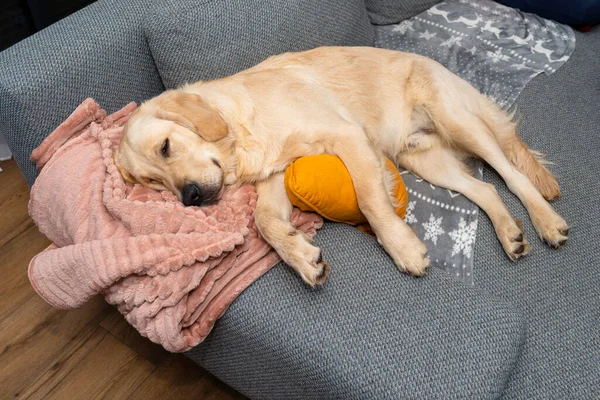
{"x": 370, "y": 332}
{"x": 557, "y": 290}
{"x": 194, "y": 40}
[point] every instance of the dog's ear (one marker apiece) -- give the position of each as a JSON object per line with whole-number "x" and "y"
{"x": 190, "y": 111}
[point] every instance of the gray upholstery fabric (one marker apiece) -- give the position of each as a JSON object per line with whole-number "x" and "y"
{"x": 99, "y": 52}
{"x": 557, "y": 290}
{"x": 384, "y": 12}
{"x": 194, "y": 40}
{"x": 369, "y": 333}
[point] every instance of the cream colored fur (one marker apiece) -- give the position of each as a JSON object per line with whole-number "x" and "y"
{"x": 357, "y": 103}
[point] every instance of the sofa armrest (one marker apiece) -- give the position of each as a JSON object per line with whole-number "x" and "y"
{"x": 370, "y": 332}
{"x": 97, "y": 52}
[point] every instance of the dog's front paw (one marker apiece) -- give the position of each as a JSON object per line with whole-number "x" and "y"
{"x": 408, "y": 252}
{"x": 313, "y": 272}
{"x": 307, "y": 261}
{"x": 413, "y": 259}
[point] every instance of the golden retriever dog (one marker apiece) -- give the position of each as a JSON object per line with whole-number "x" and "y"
{"x": 360, "y": 104}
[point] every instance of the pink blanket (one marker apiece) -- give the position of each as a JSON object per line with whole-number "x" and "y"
{"x": 171, "y": 270}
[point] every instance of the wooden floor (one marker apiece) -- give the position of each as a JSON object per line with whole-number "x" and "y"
{"x": 87, "y": 353}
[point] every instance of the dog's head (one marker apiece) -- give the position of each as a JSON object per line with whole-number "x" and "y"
{"x": 171, "y": 142}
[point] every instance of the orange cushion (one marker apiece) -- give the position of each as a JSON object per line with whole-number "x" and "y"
{"x": 322, "y": 184}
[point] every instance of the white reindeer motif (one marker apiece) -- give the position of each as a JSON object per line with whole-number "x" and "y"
{"x": 471, "y": 23}
{"x": 520, "y": 41}
{"x": 563, "y": 58}
{"x": 489, "y": 28}
{"x": 436, "y": 11}
{"x": 538, "y": 48}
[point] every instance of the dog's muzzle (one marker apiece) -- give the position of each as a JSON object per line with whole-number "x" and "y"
{"x": 193, "y": 194}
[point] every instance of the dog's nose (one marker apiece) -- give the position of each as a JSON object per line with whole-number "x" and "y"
{"x": 191, "y": 195}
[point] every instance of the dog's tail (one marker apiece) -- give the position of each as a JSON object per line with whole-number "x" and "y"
{"x": 529, "y": 162}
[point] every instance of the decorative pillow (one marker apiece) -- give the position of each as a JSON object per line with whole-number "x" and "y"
{"x": 193, "y": 40}
{"x": 322, "y": 184}
{"x": 383, "y": 12}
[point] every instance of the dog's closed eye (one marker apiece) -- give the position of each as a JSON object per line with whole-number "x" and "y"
{"x": 152, "y": 183}
{"x": 165, "y": 149}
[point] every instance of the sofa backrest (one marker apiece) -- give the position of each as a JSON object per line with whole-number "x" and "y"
{"x": 121, "y": 51}
{"x": 99, "y": 51}
{"x": 383, "y": 12}
{"x": 194, "y": 40}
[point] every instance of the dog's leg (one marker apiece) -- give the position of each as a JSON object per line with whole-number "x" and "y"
{"x": 441, "y": 167}
{"x": 367, "y": 173}
{"x": 469, "y": 132}
{"x": 549, "y": 225}
{"x": 529, "y": 163}
{"x": 272, "y": 217}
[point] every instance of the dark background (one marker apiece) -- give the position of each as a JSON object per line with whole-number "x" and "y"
{"x": 22, "y": 18}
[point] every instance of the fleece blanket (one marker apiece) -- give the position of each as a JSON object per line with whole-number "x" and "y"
{"x": 171, "y": 270}
{"x": 498, "y": 50}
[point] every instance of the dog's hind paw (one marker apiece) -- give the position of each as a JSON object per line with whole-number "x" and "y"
{"x": 551, "y": 228}
{"x": 513, "y": 239}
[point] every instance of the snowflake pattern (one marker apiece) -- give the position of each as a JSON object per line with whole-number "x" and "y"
{"x": 403, "y": 26}
{"x": 410, "y": 218}
{"x": 463, "y": 238}
{"x": 426, "y": 35}
{"x": 433, "y": 229}
{"x": 472, "y": 50}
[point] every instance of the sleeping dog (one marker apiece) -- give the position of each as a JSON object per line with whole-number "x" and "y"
{"x": 360, "y": 104}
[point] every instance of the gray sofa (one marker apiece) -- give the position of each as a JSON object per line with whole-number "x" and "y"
{"x": 526, "y": 330}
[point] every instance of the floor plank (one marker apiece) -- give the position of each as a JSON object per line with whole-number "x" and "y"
{"x": 14, "y": 259}
{"x": 61, "y": 368}
{"x": 87, "y": 353}
{"x": 102, "y": 368}
{"x": 35, "y": 335}
{"x": 116, "y": 324}
{"x": 14, "y": 196}
{"x": 181, "y": 379}
{"x": 195, "y": 381}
